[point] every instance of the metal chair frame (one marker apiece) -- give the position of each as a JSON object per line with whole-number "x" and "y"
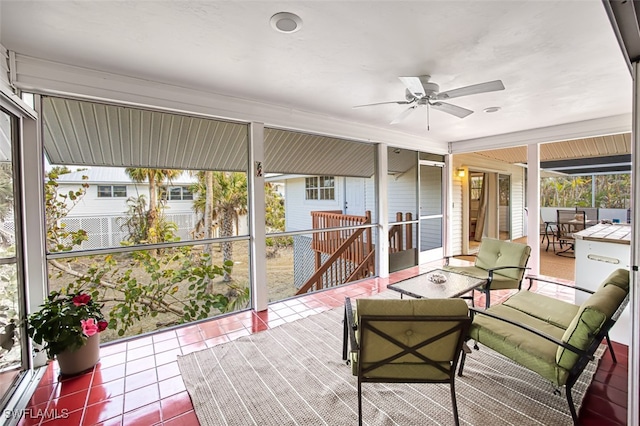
{"x": 366, "y": 323}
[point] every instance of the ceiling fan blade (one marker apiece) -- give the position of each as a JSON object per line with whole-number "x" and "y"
{"x": 451, "y": 109}
{"x": 383, "y": 103}
{"x": 490, "y": 86}
{"x": 404, "y": 114}
{"x": 414, "y": 85}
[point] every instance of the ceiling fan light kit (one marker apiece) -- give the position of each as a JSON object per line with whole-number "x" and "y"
{"x": 420, "y": 91}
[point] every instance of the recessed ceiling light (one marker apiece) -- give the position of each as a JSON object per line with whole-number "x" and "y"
{"x": 492, "y": 109}
{"x": 286, "y": 22}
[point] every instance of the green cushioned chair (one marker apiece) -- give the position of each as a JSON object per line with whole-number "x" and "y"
{"x": 552, "y": 338}
{"x": 405, "y": 341}
{"x": 501, "y": 263}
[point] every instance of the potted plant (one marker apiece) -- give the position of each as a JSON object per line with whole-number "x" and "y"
{"x": 68, "y": 325}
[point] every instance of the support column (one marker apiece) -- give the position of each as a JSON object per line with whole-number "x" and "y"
{"x": 533, "y": 206}
{"x": 447, "y": 193}
{"x": 382, "y": 245}
{"x": 258, "y": 271}
{"x": 633, "y": 409}
{"x": 33, "y": 213}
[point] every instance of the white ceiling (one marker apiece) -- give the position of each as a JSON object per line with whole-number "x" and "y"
{"x": 559, "y": 60}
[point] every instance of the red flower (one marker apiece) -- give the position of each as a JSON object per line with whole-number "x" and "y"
{"x": 81, "y": 299}
{"x": 102, "y": 325}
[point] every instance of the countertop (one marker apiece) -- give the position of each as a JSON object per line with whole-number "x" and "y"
{"x": 611, "y": 233}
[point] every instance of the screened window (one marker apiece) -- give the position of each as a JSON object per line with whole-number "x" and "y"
{"x": 112, "y": 191}
{"x": 156, "y": 156}
{"x": 320, "y": 188}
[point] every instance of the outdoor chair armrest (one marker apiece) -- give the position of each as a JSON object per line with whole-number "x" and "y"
{"x": 548, "y": 337}
{"x": 446, "y": 258}
{"x": 491, "y": 270}
{"x": 531, "y": 278}
{"x": 349, "y": 329}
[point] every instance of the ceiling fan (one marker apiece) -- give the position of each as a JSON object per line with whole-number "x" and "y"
{"x": 420, "y": 91}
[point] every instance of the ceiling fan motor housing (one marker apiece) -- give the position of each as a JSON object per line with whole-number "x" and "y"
{"x": 430, "y": 92}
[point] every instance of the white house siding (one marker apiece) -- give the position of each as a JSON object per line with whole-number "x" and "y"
{"x": 370, "y": 198}
{"x": 102, "y": 217}
{"x": 479, "y": 163}
{"x": 455, "y": 216}
{"x": 91, "y": 204}
{"x": 402, "y": 194}
{"x": 298, "y": 210}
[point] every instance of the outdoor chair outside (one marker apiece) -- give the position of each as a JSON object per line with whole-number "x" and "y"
{"x": 502, "y": 263}
{"x": 568, "y": 222}
{"x": 406, "y": 341}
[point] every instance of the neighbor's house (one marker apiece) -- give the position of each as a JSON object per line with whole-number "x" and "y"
{"x": 102, "y": 211}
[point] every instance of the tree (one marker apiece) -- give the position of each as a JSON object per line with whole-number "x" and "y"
{"x": 612, "y": 191}
{"x": 224, "y": 201}
{"x": 137, "y": 284}
{"x": 275, "y": 221}
{"x": 57, "y": 207}
{"x": 6, "y": 197}
{"x": 156, "y": 178}
{"x": 274, "y": 208}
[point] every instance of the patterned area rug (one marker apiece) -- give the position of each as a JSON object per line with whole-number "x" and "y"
{"x": 294, "y": 375}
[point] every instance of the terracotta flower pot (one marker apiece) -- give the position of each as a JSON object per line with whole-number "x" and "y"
{"x": 82, "y": 359}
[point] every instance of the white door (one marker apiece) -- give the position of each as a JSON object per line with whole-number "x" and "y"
{"x": 354, "y": 196}
{"x": 430, "y": 200}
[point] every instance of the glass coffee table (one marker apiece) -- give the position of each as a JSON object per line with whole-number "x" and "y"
{"x": 428, "y": 285}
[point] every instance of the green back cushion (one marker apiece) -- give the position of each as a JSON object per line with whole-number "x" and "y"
{"x": 619, "y": 277}
{"x": 494, "y": 253}
{"x": 593, "y": 314}
{"x": 410, "y": 332}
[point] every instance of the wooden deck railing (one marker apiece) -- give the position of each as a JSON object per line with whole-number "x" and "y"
{"x": 351, "y": 250}
{"x": 401, "y": 235}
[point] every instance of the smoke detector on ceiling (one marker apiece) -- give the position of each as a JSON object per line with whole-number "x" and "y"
{"x": 286, "y": 22}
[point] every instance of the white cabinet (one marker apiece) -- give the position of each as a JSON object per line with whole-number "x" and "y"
{"x": 595, "y": 260}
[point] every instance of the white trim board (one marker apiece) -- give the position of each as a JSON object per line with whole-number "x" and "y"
{"x": 53, "y": 78}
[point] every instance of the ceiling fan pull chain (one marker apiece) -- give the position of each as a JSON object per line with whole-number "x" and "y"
{"x": 428, "y": 108}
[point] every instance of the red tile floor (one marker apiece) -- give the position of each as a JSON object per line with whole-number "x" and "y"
{"x": 137, "y": 382}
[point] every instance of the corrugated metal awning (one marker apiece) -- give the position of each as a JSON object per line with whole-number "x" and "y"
{"x": 300, "y": 153}
{"x": 602, "y": 146}
{"x": 94, "y": 134}
{"x": 603, "y": 154}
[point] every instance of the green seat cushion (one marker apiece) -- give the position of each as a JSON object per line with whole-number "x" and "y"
{"x": 524, "y": 348}
{"x": 592, "y": 315}
{"x": 410, "y": 332}
{"x": 543, "y": 307}
{"x": 500, "y": 282}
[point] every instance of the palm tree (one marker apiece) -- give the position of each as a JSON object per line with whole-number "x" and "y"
{"x": 155, "y": 177}
{"x": 224, "y": 201}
